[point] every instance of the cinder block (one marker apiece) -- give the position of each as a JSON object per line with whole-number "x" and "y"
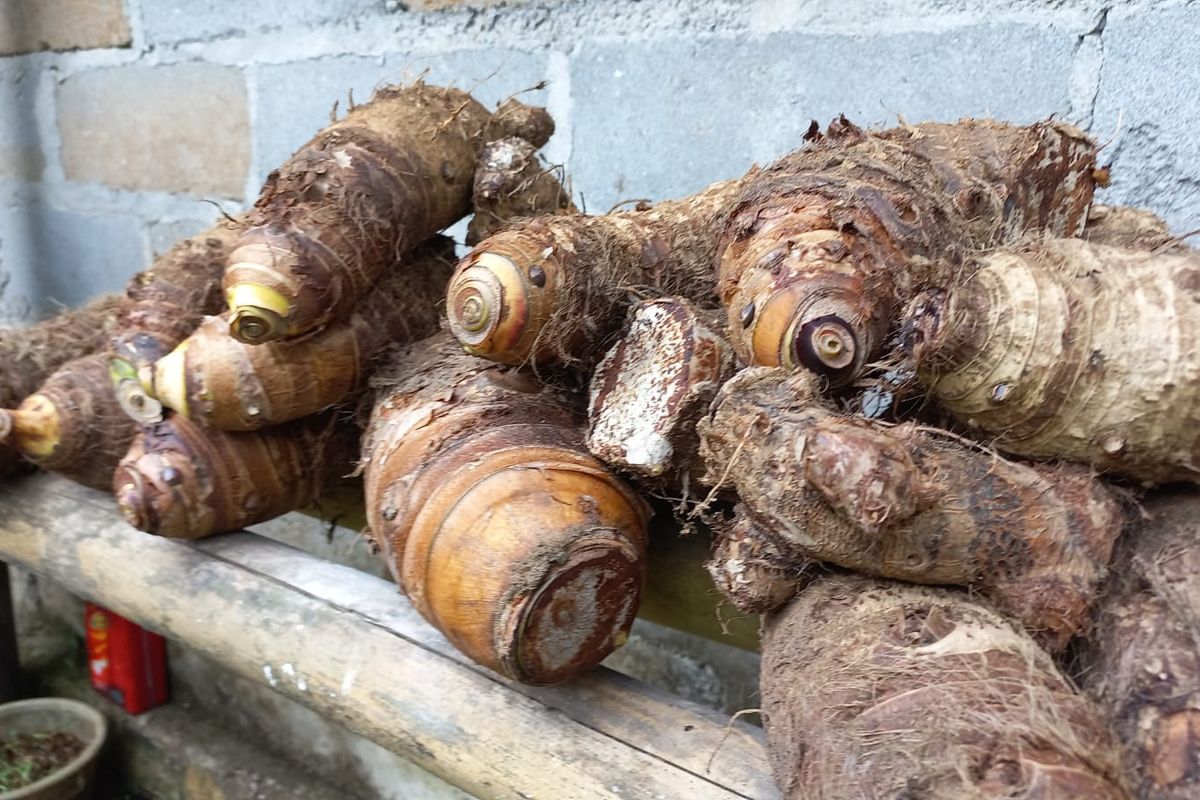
{"x": 657, "y": 119}
{"x": 27, "y": 26}
{"x": 293, "y": 101}
{"x": 1148, "y": 105}
{"x": 166, "y": 233}
{"x": 182, "y": 128}
{"x": 172, "y": 21}
{"x": 55, "y": 258}
{"x": 20, "y": 149}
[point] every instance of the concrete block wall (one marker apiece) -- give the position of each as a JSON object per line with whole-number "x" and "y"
{"x": 124, "y": 121}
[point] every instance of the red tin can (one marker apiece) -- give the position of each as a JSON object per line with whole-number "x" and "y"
{"x": 127, "y": 663}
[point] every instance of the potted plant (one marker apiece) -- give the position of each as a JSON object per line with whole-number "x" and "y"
{"x": 48, "y": 749}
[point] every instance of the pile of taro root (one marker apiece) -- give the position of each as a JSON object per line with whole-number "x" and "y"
{"x": 919, "y": 387}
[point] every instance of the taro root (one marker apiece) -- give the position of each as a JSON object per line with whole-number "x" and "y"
{"x": 876, "y": 689}
{"x": 910, "y": 503}
{"x": 31, "y": 354}
{"x": 1141, "y": 660}
{"x": 511, "y": 182}
{"x": 504, "y": 532}
{"x": 554, "y": 289}
{"x": 1068, "y": 350}
{"x": 824, "y": 247}
{"x": 227, "y": 384}
{"x": 361, "y": 194}
{"x": 1122, "y": 226}
{"x": 653, "y": 385}
{"x": 186, "y": 482}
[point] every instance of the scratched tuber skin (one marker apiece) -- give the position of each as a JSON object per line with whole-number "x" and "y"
{"x": 1141, "y": 658}
{"x": 653, "y": 385}
{"x": 227, "y": 384}
{"x": 74, "y": 423}
{"x": 1067, "y": 350}
{"x": 824, "y": 247}
{"x": 184, "y": 482}
{"x": 555, "y": 288}
{"x": 511, "y": 182}
{"x": 31, "y": 354}
{"x": 905, "y": 502}
{"x": 504, "y": 532}
{"x": 361, "y": 194}
{"x": 877, "y": 689}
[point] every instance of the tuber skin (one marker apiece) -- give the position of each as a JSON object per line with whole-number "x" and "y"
{"x": 504, "y": 532}
{"x": 1122, "y": 226}
{"x": 31, "y": 354}
{"x": 221, "y": 382}
{"x": 511, "y": 182}
{"x": 361, "y": 194}
{"x": 74, "y": 423}
{"x": 875, "y": 689}
{"x": 1141, "y": 658}
{"x": 824, "y": 247}
{"x": 1069, "y": 350}
{"x": 904, "y": 502}
{"x": 184, "y": 482}
{"x": 554, "y": 289}
{"x": 653, "y": 385}
{"x": 753, "y": 567}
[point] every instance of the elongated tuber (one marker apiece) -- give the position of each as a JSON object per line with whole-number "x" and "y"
{"x": 651, "y": 387}
{"x": 1069, "y": 350}
{"x": 496, "y": 522}
{"x": 362, "y": 193}
{"x": 1142, "y": 657}
{"x": 824, "y": 247}
{"x": 72, "y": 424}
{"x": 31, "y": 354}
{"x": 904, "y": 502}
{"x": 185, "y": 482}
{"x": 874, "y": 689}
{"x": 555, "y": 288}
{"x": 216, "y": 379}
{"x": 511, "y": 182}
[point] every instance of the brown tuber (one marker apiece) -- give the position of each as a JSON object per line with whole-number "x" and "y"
{"x": 554, "y": 288}
{"x": 511, "y": 182}
{"x": 496, "y": 522}
{"x": 651, "y": 387}
{"x": 824, "y": 247}
{"x": 906, "y": 502}
{"x": 227, "y": 384}
{"x": 31, "y": 354}
{"x": 1142, "y": 658}
{"x": 1069, "y": 350}
{"x": 184, "y": 482}
{"x": 873, "y": 689}
{"x": 1122, "y": 226}
{"x": 361, "y": 194}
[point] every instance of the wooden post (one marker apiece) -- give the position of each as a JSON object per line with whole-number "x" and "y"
{"x": 10, "y": 667}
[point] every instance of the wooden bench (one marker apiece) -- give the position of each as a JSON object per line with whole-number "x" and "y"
{"x": 347, "y": 645}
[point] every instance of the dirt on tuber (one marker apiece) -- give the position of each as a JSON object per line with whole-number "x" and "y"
{"x": 874, "y": 689}
{"x": 824, "y": 247}
{"x": 361, "y": 194}
{"x": 1141, "y": 659}
{"x": 511, "y": 182}
{"x": 224, "y": 383}
{"x": 185, "y": 482}
{"x": 555, "y": 289}
{"x": 504, "y": 532}
{"x": 911, "y": 503}
{"x": 1068, "y": 350}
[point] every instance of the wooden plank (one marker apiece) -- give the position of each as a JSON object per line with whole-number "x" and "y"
{"x": 346, "y": 645}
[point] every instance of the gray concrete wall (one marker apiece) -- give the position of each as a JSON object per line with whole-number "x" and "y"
{"x": 121, "y": 121}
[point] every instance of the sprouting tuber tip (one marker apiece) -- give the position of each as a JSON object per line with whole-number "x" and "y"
{"x": 137, "y": 402}
{"x": 34, "y": 427}
{"x": 826, "y": 345}
{"x": 487, "y": 305}
{"x": 256, "y": 325}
